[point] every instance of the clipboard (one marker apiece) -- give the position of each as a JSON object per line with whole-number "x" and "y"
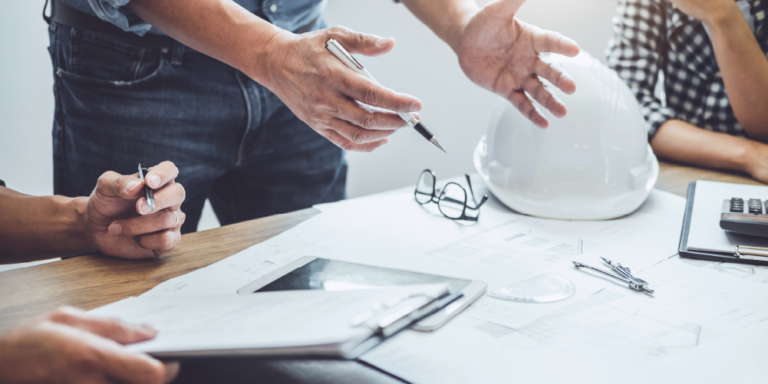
{"x": 742, "y": 254}
{"x": 288, "y": 324}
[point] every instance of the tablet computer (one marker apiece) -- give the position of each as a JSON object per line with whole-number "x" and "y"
{"x": 311, "y": 272}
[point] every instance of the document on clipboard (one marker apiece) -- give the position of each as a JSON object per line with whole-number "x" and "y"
{"x": 318, "y": 324}
{"x": 702, "y": 237}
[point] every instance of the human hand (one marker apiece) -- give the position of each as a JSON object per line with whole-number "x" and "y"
{"x": 756, "y": 161}
{"x": 346, "y": 108}
{"x": 118, "y": 219}
{"x": 705, "y": 10}
{"x": 502, "y": 54}
{"x": 71, "y": 346}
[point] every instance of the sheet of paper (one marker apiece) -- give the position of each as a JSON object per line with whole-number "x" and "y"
{"x": 696, "y": 304}
{"x": 391, "y": 230}
{"x": 710, "y": 363}
{"x": 705, "y": 233}
{"x": 267, "y": 320}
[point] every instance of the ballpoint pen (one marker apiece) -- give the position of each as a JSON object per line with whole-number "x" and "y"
{"x": 342, "y": 54}
{"x": 625, "y": 275}
{"x": 148, "y": 192}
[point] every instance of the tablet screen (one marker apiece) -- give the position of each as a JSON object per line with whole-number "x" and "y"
{"x": 332, "y": 275}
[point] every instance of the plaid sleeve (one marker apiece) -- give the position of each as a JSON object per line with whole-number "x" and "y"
{"x": 635, "y": 52}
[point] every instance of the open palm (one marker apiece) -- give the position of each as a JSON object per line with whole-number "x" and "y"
{"x": 502, "y": 54}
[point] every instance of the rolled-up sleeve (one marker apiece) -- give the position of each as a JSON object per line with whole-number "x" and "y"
{"x": 114, "y": 11}
{"x": 635, "y": 53}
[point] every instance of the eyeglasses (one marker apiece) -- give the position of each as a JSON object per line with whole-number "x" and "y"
{"x": 451, "y": 199}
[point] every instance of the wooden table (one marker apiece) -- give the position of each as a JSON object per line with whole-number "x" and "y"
{"x": 92, "y": 281}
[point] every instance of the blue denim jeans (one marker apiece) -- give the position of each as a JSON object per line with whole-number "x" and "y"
{"x": 119, "y": 104}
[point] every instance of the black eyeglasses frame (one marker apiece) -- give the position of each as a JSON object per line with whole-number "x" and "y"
{"x": 434, "y": 198}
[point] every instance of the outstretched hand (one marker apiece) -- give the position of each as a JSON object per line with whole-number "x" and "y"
{"x": 502, "y": 54}
{"x": 351, "y": 111}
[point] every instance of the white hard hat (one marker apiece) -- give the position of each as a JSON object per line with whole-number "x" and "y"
{"x": 593, "y": 164}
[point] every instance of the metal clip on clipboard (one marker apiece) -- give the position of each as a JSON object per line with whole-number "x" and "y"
{"x": 751, "y": 253}
{"x": 386, "y": 319}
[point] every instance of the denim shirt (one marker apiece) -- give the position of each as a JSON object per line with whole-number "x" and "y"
{"x": 286, "y": 14}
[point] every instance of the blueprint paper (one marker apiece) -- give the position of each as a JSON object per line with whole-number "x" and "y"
{"x": 392, "y": 230}
{"x": 698, "y": 306}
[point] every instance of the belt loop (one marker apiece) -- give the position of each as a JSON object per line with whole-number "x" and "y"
{"x": 178, "y": 53}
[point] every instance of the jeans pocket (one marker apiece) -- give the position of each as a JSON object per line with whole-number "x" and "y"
{"x": 83, "y": 80}
{"x": 94, "y": 59}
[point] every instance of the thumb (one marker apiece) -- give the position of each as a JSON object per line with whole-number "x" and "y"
{"x": 112, "y": 329}
{"x": 113, "y": 184}
{"x": 362, "y": 43}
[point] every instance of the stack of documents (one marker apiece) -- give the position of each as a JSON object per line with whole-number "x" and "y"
{"x": 290, "y": 323}
{"x": 602, "y": 332}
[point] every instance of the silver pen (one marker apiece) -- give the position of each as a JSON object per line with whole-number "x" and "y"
{"x": 349, "y": 60}
{"x": 148, "y": 192}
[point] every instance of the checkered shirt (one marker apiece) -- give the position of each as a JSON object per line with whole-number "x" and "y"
{"x": 653, "y": 35}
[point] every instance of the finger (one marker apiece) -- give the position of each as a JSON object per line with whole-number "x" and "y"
{"x": 523, "y": 103}
{"x": 161, "y": 174}
{"x": 362, "y": 43}
{"x": 171, "y": 371}
{"x": 113, "y": 184}
{"x": 126, "y": 366}
{"x": 367, "y": 92}
{"x": 160, "y": 242}
{"x": 556, "y": 75}
{"x": 539, "y": 92}
{"x": 108, "y": 328}
{"x": 356, "y": 134}
{"x": 505, "y": 9}
{"x": 141, "y": 225}
{"x": 351, "y": 145}
{"x": 368, "y": 117}
{"x": 548, "y": 41}
{"x": 171, "y": 195}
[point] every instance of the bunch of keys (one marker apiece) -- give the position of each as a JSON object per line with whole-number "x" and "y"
{"x": 625, "y": 275}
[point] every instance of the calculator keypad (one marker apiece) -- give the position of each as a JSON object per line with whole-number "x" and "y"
{"x": 737, "y": 205}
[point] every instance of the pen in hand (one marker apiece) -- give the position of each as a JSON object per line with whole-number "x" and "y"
{"x": 346, "y": 58}
{"x": 148, "y": 192}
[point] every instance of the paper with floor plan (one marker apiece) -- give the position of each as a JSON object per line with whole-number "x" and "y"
{"x": 609, "y": 334}
{"x": 393, "y": 231}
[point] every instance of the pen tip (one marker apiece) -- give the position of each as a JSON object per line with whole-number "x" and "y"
{"x": 437, "y": 144}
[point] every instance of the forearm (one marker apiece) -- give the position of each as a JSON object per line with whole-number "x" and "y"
{"x": 682, "y": 142}
{"x": 445, "y": 17}
{"x": 744, "y": 69}
{"x": 221, "y": 29}
{"x": 36, "y": 228}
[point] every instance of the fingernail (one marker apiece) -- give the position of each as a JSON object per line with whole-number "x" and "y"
{"x": 131, "y": 185}
{"x": 153, "y": 181}
{"x": 143, "y": 207}
{"x": 171, "y": 370}
{"x": 147, "y": 329}
{"x": 415, "y": 107}
{"x": 115, "y": 229}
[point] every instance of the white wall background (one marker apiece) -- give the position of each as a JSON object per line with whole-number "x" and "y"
{"x": 455, "y": 109}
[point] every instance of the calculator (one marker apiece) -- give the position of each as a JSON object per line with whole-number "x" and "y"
{"x": 749, "y": 219}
